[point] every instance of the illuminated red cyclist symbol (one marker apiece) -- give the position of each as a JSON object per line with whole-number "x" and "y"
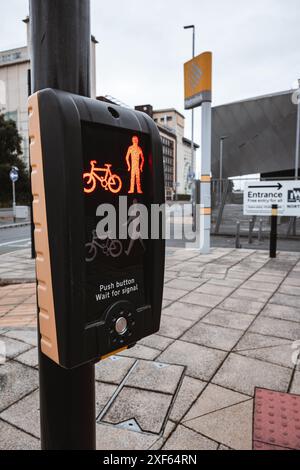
{"x": 109, "y": 181}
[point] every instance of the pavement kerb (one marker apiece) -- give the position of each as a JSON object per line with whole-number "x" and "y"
{"x": 21, "y": 224}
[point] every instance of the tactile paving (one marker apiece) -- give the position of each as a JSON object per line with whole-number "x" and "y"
{"x": 276, "y": 420}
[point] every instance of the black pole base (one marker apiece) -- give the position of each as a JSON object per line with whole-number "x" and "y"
{"x": 273, "y": 234}
{"x": 67, "y": 406}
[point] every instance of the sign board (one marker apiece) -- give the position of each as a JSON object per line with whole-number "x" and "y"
{"x": 259, "y": 196}
{"x": 99, "y": 288}
{"x": 198, "y": 80}
{"x": 14, "y": 175}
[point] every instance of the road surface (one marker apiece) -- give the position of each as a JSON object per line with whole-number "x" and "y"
{"x": 13, "y": 239}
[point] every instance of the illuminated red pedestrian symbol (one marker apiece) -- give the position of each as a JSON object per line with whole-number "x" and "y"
{"x": 135, "y": 163}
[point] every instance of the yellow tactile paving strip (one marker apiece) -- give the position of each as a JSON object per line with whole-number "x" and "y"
{"x": 18, "y": 306}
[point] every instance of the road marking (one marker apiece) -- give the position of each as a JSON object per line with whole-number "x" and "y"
{"x": 14, "y": 242}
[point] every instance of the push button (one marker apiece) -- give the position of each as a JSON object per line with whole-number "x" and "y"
{"x": 121, "y": 326}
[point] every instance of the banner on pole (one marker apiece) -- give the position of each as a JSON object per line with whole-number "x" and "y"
{"x": 198, "y": 80}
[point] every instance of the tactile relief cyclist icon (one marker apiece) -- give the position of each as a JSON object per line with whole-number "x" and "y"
{"x": 112, "y": 182}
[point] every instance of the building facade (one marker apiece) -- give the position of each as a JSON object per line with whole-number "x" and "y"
{"x": 177, "y": 150}
{"x": 14, "y": 72}
{"x": 174, "y": 121}
{"x": 261, "y": 136}
{"x": 15, "y": 86}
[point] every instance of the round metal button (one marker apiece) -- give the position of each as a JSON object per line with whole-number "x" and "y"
{"x": 121, "y": 326}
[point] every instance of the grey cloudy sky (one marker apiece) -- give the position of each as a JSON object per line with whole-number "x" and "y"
{"x": 142, "y": 46}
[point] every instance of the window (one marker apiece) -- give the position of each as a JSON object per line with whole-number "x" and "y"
{"x": 11, "y": 115}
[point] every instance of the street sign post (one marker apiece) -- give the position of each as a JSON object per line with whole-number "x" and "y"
{"x": 198, "y": 92}
{"x": 14, "y": 176}
{"x": 260, "y": 196}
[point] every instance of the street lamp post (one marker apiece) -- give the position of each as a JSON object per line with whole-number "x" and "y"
{"x": 224, "y": 137}
{"x": 193, "y": 116}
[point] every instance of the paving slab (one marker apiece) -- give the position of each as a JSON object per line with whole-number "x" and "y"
{"x": 230, "y": 426}
{"x": 141, "y": 352}
{"x": 170, "y": 426}
{"x": 149, "y": 409}
{"x": 189, "y": 391}
{"x": 25, "y": 414}
{"x": 186, "y": 439}
{"x": 214, "y": 289}
{"x": 261, "y": 286}
{"x": 13, "y": 348}
{"x": 29, "y": 358}
{"x": 278, "y": 328}
{"x": 260, "y": 279}
{"x": 110, "y": 437}
{"x": 214, "y": 398}
{"x": 295, "y": 388}
{"x": 243, "y": 374}
{"x": 266, "y": 348}
{"x": 292, "y": 281}
{"x": 156, "y": 341}
{"x": 11, "y": 387}
{"x": 225, "y": 318}
{"x": 226, "y": 282}
{"x": 212, "y": 336}
{"x": 28, "y": 336}
{"x": 155, "y": 376}
{"x": 251, "y": 294}
{"x": 184, "y": 284}
{"x": 288, "y": 300}
{"x": 113, "y": 369}
{"x": 249, "y": 307}
{"x": 204, "y": 300}
{"x": 281, "y": 312}
{"x": 186, "y": 311}
{"x": 173, "y": 294}
{"x": 290, "y": 290}
{"x": 201, "y": 362}
{"x": 103, "y": 392}
{"x": 172, "y": 328}
{"x": 14, "y": 439}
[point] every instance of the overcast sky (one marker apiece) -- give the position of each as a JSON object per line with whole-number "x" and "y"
{"x": 142, "y": 46}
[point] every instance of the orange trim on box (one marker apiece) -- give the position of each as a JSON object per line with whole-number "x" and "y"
{"x": 47, "y": 322}
{"x": 113, "y": 353}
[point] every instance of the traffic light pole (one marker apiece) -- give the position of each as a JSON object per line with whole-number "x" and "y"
{"x": 60, "y": 35}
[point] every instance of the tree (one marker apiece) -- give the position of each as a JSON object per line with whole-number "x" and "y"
{"x": 10, "y": 152}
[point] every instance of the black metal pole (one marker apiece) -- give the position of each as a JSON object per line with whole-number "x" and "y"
{"x": 273, "y": 234}
{"x": 31, "y": 198}
{"x": 60, "y": 36}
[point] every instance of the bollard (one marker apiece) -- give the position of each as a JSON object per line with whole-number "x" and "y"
{"x": 260, "y": 231}
{"x": 251, "y": 223}
{"x": 273, "y": 234}
{"x": 237, "y": 235}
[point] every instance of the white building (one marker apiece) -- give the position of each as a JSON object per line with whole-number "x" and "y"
{"x": 14, "y": 86}
{"x": 173, "y": 121}
{"x": 14, "y": 72}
